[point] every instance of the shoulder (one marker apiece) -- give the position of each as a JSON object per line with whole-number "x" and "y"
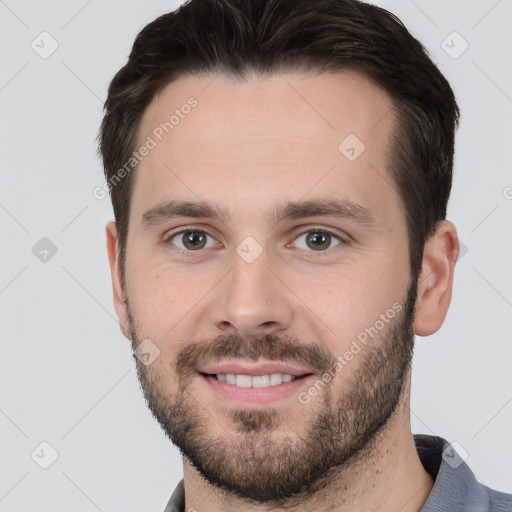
{"x": 455, "y": 486}
{"x": 499, "y": 501}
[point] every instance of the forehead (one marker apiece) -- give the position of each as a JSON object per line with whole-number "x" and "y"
{"x": 264, "y": 137}
{"x": 328, "y": 106}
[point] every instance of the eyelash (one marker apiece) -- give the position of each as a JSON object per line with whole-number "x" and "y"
{"x": 340, "y": 239}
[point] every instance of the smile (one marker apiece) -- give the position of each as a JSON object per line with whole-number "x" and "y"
{"x": 254, "y": 390}
{"x": 254, "y": 381}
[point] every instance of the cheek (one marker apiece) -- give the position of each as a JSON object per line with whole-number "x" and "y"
{"x": 349, "y": 303}
{"x": 164, "y": 303}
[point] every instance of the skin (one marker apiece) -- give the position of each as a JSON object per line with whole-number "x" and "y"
{"x": 248, "y": 147}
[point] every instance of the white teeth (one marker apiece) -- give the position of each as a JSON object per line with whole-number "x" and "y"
{"x": 256, "y": 381}
{"x": 260, "y": 381}
{"x": 276, "y": 378}
{"x": 243, "y": 381}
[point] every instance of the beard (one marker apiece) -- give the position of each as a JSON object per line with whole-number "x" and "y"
{"x": 250, "y": 459}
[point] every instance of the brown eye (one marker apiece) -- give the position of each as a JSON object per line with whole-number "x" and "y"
{"x": 192, "y": 240}
{"x": 317, "y": 240}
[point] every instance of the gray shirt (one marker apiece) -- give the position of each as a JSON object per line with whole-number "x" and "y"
{"x": 455, "y": 487}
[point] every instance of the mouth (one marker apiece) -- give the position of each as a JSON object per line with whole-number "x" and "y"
{"x": 244, "y": 390}
{"x": 255, "y": 381}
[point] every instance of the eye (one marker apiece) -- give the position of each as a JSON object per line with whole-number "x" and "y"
{"x": 191, "y": 240}
{"x": 317, "y": 240}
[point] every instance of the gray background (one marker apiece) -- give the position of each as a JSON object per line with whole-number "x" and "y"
{"x": 67, "y": 377}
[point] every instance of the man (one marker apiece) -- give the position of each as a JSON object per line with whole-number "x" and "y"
{"x": 279, "y": 172}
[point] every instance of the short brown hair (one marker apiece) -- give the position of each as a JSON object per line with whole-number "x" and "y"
{"x": 272, "y": 36}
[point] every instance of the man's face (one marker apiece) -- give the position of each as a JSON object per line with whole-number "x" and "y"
{"x": 269, "y": 287}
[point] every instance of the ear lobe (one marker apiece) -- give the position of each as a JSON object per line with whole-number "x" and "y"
{"x": 436, "y": 279}
{"x": 117, "y": 279}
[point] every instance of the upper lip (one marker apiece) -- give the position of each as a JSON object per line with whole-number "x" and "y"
{"x": 265, "y": 368}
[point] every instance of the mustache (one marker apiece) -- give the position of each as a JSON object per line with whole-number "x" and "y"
{"x": 269, "y": 347}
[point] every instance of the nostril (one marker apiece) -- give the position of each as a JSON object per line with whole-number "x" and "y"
{"x": 225, "y": 325}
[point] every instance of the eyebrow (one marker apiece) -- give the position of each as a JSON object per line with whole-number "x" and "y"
{"x": 342, "y": 209}
{"x": 175, "y": 208}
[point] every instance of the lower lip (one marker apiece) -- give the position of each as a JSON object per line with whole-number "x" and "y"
{"x": 250, "y": 396}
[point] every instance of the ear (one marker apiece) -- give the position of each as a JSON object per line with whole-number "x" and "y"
{"x": 117, "y": 279}
{"x": 436, "y": 279}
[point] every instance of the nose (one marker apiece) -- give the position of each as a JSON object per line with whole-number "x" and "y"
{"x": 252, "y": 300}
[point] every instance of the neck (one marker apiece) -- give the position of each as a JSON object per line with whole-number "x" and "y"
{"x": 387, "y": 477}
